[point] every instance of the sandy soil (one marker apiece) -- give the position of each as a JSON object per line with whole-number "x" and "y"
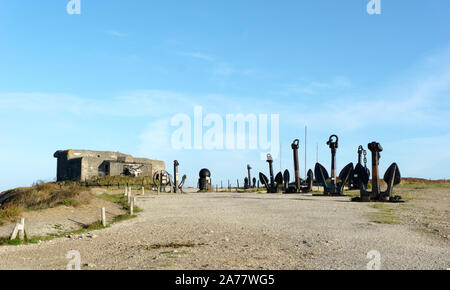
{"x": 245, "y": 231}
{"x": 63, "y": 219}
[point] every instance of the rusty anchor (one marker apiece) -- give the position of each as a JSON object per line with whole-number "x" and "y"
{"x": 335, "y": 185}
{"x": 174, "y": 186}
{"x": 281, "y": 180}
{"x": 354, "y": 180}
{"x": 392, "y": 177}
{"x": 272, "y": 184}
{"x": 299, "y": 185}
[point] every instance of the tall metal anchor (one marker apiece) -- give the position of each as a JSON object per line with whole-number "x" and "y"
{"x": 281, "y": 181}
{"x": 299, "y": 185}
{"x": 392, "y": 177}
{"x": 335, "y": 185}
{"x": 271, "y": 187}
{"x": 174, "y": 186}
{"x": 354, "y": 180}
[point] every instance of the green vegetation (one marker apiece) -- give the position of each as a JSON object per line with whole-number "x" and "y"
{"x": 119, "y": 199}
{"x": 384, "y": 215}
{"x": 119, "y": 181}
{"x": 424, "y": 185}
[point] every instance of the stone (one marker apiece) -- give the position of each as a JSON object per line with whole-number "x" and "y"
{"x": 80, "y": 165}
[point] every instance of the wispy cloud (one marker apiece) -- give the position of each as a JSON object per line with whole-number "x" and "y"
{"x": 116, "y": 33}
{"x": 197, "y": 55}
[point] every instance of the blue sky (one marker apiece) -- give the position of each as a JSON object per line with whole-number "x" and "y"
{"x": 113, "y": 77}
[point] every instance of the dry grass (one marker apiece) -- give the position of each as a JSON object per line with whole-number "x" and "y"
{"x": 41, "y": 196}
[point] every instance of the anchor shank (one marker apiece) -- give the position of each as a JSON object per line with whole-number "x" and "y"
{"x": 333, "y": 164}
{"x": 375, "y": 173}
{"x": 296, "y": 165}
{"x": 175, "y": 175}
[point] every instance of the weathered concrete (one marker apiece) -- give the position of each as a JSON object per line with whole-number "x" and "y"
{"x": 84, "y": 164}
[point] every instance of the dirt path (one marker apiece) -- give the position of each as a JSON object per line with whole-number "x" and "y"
{"x": 241, "y": 231}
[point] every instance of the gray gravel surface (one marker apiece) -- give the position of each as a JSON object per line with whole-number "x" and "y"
{"x": 240, "y": 231}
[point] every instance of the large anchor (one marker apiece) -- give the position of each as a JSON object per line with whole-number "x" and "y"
{"x": 392, "y": 177}
{"x": 174, "y": 184}
{"x": 299, "y": 185}
{"x": 162, "y": 179}
{"x": 333, "y": 186}
{"x": 271, "y": 187}
{"x": 281, "y": 181}
{"x": 354, "y": 180}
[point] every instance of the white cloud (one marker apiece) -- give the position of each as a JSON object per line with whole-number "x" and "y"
{"x": 115, "y": 33}
{"x": 197, "y": 55}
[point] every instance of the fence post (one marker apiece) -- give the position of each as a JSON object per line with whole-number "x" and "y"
{"x": 132, "y": 206}
{"x": 103, "y": 216}
{"x": 143, "y": 190}
{"x": 19, "y": 229}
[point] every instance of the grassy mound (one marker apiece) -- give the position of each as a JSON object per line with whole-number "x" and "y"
{"x": 41, "y": 196}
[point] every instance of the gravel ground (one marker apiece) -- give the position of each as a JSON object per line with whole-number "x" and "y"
{"x": 241, "y": 231}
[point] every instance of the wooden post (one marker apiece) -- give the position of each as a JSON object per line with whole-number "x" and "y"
{"x": 129, "y": 196}
{"x": 143, "y": 190}
{"x": 19, "y": 229}
{"x": 132, "y": 206}
{"x": 22, "y": 229}
{"x": 125, "y": 191}
{"x": 103, "y": 216}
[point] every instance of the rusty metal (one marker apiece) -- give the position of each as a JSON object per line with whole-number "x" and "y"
{"x": 392, "y": 177}
{"x": 174, "y": 186}
{"x": 204, "y": 181}
{"x": 299, "y": 185}
{"x": 161, "y": 180}
{"x": 333, "y": 185}
{"x": 281, "y": 181}
{"x": 247, "y": 184}
{"x": 354, "y": 180}
{"x": 269, "y": 184}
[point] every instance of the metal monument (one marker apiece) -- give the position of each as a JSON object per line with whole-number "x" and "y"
{"x": 163, "y": 179}
{"x": 299, "y": 185}
{"x": 392, "y": 177}
{"x": 204, "y": 181}
{"x": 281, "y": 180}
{"x": 270, "y": 185}
{"x": 334, "y": 185}
{"x": 354, "y": 180}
